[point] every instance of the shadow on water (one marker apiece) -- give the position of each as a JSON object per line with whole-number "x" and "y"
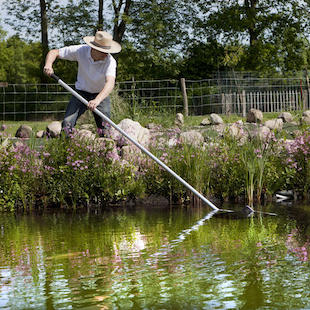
{"x": 155, "y": 258}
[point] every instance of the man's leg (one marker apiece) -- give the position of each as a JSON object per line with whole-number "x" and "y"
{"x": 105, "y": 108}
{"x": 74, "y": 110}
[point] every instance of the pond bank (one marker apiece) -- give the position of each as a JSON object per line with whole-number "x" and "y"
{"x": 235, "y": 163}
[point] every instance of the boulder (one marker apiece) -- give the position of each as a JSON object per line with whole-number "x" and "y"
{"x": 220, "y": 129}
{"x": 40, "y": 134}
{"x": 131, "y": 153}
{"x": 192, "y": 137}
{"x": 286, "y": 117}
{"x": 24, "y": 132}
{"x": 274, "y": 124}
{"x": 103, "y": 143}
{"x": 54, "y": 129}
{"x": 216, "y": 119}
{"x": 173, "y": 141}
{"x": 89, "y": 127}
{"x": 179, "y": 120}
{"x": 254, "y": 116}
{"x": 133, "y": 129}
{"x": 205, "y": 122}
{"x": 85, "y": 134}
{"x": 263, "y": 132}
{"x": 305, "y": 119}
{"x": 237, "y": 131}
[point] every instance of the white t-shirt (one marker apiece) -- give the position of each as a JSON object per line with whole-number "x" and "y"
{"x": 91, "y": 74}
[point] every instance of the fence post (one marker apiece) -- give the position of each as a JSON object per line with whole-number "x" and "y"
{"x": 308, "y": 91}
{"x": 184, "y": 95}
{"x": 243, "y": 98}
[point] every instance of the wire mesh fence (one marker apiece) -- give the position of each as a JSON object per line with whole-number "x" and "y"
{"x": 220, "y": 94}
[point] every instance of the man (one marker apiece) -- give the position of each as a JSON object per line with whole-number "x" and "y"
{"x": 95, "y": 78}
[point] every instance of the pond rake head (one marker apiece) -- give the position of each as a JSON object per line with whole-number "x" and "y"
{"x": 142, "y": 148}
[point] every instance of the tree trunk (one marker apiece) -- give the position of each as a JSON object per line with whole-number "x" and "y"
{"x": 250, "y": 6}
{"x": 44, "y": 37}
{"x": 120, "y": 22}
{"x": 100, "y": 16}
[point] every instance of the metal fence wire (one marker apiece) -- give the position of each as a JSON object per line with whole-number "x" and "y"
{"x": 220, "y": 94}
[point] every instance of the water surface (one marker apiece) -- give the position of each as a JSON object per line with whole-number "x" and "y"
{"x": 155, "y": 258}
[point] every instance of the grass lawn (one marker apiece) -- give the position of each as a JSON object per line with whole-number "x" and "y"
{"x": 166, "y": 120}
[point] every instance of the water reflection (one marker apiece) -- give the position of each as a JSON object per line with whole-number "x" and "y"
{"x": 154, "y": 258}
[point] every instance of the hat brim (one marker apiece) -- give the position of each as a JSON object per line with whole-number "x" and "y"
{"x": 113, "y": 49}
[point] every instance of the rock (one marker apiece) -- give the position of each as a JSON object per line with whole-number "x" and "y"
{"x": 237, "y": 131}
{"x": 287, "y": 117}
{"x": 103, "y": 143}
{"x": 85, "y": 134}
{"x": 133, "y": 129}
{"x": 179, "y": 120}
{"x": 89, "y": 127}
{"x": 174, "y": 141}
{"x": 5, "y": 143}
{"x": 306, "y": 113}
{"x": 153, "y": 126}
{"x": 274, "y": 124}
{"x": 216, "y": 119}
{"x": 54, "y": 129}
{"x": 220, "y": 128}
{"x": 192, "y": 137}
{"x": 40, "y": 134}
{"x": 305, "y": 117}
{"x": 130, "y": 153}
{"x": 263, "y": 132}
{"x": 205, "y": 122}
{"x": 254, "y": 116}
{"x": 24, "y": 131}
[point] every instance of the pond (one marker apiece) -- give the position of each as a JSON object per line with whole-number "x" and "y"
{"x": 155, "y": 258}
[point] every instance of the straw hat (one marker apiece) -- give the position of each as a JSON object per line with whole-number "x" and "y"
{"x": 103, "y": 42}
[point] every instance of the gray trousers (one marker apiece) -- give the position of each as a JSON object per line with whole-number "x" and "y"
{"x": 76, "y": 108}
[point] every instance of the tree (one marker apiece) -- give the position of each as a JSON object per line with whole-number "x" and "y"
{"x": 74, "y": 21}
{"x": 258, "y": 25}
{"x": 203, "y": 59}
{"x": 31, "y": 21}
{"x": 121, "y": 17}
{"x": 20, "y": 61}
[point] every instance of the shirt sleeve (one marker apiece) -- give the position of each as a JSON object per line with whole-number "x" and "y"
{"x": 69, "y": 52}
{"x": 111, "y": 69}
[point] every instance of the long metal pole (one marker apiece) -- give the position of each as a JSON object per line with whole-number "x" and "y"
{"x": 142, "y": 148}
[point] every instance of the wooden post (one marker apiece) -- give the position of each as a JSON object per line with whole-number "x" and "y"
{"x": 184, "y": 95}
{"x": 243, "y": 104}
{"x": 308, "y": 91}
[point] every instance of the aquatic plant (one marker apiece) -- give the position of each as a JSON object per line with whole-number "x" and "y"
{"x": 77, "y": 171}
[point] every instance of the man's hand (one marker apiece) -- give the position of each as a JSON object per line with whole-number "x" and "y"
{"x": 48, "y": 70}
{"x": 92, "y": 104}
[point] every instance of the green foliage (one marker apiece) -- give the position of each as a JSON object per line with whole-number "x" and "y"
{"x": 272, "y": 33}
{"x": 78, "y": 171}
{"x": 146, "y": 65}
{"x": 74, "y": 21}
{"x": 202, "y": 59}
{"x": 21, "y": 61}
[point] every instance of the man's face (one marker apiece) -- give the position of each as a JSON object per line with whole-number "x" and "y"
{"x": 97, "y": 55}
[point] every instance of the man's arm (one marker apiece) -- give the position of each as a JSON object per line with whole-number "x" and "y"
{"x": 108, "y": 87}
{"x": 50, "y": 58}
